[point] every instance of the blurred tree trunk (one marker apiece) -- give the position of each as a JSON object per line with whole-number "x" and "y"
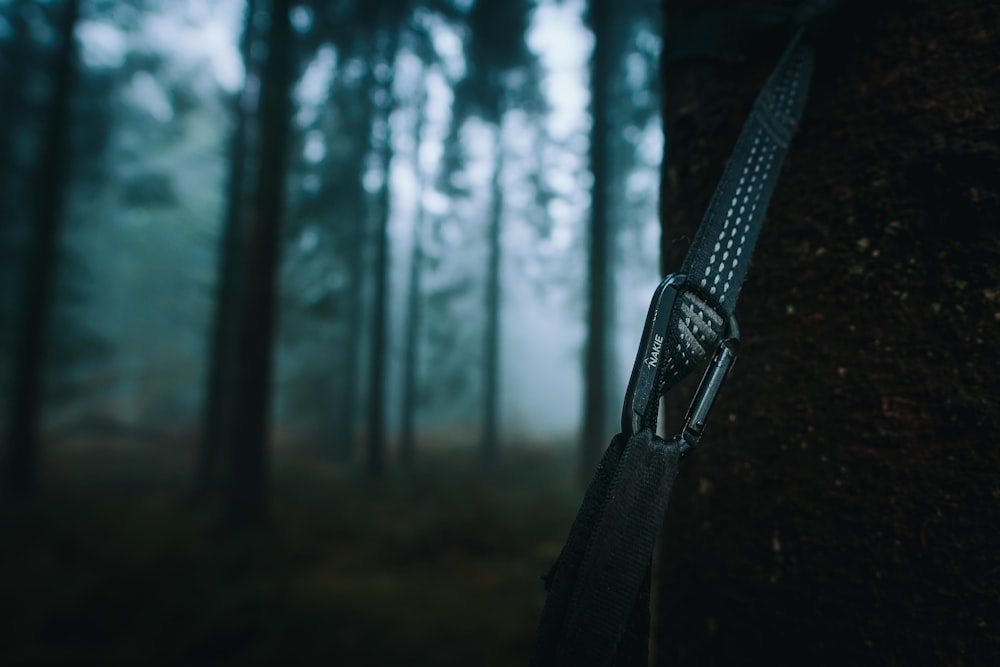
{"x": 414, "y": 300}
{"x": 221, "y": 389}
{"x": 596, "y": 431}
{"x": 22, "y": 461}
{"x": 491, "y": 344}
{"x": 16, "y": 53}
{"x": 356, "y": 103}
{"x": 247, "y": 488}
{"x": 13, "y": 61}
{"x": 842, "y": 507}
{"x": 347, "y": 420}
{"x": 380, "y": 335}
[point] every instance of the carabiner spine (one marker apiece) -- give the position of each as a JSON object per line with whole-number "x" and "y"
{"x": 708, "y": 389}
{"x": 637, "y": 409}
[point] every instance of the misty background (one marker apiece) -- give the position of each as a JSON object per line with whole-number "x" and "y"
{"x": 316, "y": 315}
{"x": 314, "y": 318}
{"x": 429, "y": 126}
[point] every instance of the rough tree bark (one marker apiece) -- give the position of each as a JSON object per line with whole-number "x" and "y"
{"x": 21, "y": 469}
{"x": 247, "y": 487}
{"x": 220, "y": 388}
{"x": 842, "y": 507}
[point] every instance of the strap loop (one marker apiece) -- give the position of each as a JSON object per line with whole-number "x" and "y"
{"x": 605, "y": 564}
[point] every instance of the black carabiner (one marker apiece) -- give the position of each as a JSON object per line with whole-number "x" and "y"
{"x": 638, "y": 413}
{"x": 643, "y": 395}
{"x": 708, "y": 388}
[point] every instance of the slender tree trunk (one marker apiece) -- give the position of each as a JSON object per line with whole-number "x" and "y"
{"x": 595, "y": 428}
{"x": 356, "y": 240}
{"x": 221, "y": 389}
{"x": 376, "y": 401}
{"x": 842, "y": 507}
{"x": 491, "y": 343}
{"x": 15, "y": 55}
{"x": 347, "y": 422}
{"x": 380, "y": 336}
{"x": 22, "y": 465}
{"x": 247, "y": 489}
{"x": 347, "y": 419}
{"x": 413, "y": 312}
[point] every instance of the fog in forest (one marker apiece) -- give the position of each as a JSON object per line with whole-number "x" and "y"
{"x": 317, "y": 317}
{"x": 314, "y": 316}
{"x": 416, "y": 114}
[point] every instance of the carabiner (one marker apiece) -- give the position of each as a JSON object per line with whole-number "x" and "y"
{"x": 638, "y": 413}
{"x": 708, "y": 388}
{"x": 643, "y": 394}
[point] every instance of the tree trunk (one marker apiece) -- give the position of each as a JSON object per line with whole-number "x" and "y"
{"x": 220, "y": 388}
{"x": 380, "y": 335}
{"x": 491, "y": 343}
{"x": 842, "y": 506}
{"x": 246, "y": 496}
{"x": 355, "y": 239}
{"x": 414, "y": 302}
{"x": 22, "y": 464}
{"x": 596, "y": 431}
{"x": 15, "y": 55}
{"x": 347, "y": 422}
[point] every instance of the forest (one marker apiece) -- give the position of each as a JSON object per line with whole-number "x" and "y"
{"x": 400, "y": 268}
{"x": 316, "y": 319}
{"x": 269, "y": 262}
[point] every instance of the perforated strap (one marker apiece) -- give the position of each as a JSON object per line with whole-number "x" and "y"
{"x": 719, "y": 257}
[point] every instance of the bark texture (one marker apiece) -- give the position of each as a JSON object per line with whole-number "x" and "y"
{"x": 842, "y": 507}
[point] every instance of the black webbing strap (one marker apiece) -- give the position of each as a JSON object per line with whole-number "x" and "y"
{"x": 717, "y": 261}
{"x": 591, "y": 617}
{"x": 596, "y": 613}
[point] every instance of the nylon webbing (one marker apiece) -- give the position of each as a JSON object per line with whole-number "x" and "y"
{"x": 717, "y": 261}
{"x": 605, "y": 563}
{"x": 596, "y": 613}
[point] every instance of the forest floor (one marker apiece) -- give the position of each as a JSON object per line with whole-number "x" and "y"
{"x": 439, "y": 565}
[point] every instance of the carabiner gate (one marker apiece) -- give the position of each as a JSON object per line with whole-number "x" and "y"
{"x": 643, "y": 394}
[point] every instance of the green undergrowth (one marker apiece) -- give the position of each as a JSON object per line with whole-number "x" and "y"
{"x": 437, "y": 565}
